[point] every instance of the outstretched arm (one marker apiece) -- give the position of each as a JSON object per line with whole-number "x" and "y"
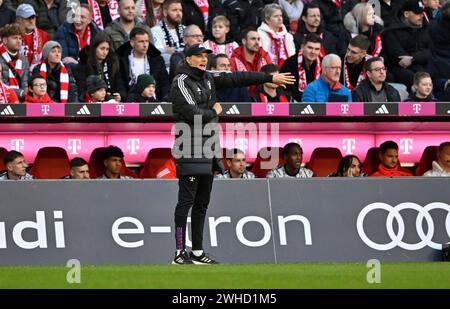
{"x": 243, "y": 79}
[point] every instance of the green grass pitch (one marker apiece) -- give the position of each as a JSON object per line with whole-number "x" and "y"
{"x": 226, "y": 276}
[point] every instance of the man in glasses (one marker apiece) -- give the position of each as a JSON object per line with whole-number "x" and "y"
{"x": 374, "y": 88}
{"x": 353, "y": 72}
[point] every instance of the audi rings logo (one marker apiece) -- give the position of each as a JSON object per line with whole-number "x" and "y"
{"x": 397, "y": 239}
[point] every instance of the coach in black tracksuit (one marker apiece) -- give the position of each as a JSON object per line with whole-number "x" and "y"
{"x": 197, "y": 145}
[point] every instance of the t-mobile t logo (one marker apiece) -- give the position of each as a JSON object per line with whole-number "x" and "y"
{"x": 417, "y": 107}
{"x": 270, "y": 108}
{"x": 120, "y": 108}
{"x": 74, "y": 144}
{"x": 345, "y": 108}
{"x": 133, "y": 144}
{"x": 45, "y": 109}
{"x": 406, "y": 145}
{"x": 348, "y": 144}
{"x": 17, "y": 144}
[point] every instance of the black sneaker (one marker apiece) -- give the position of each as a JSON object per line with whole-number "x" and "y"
{"x": 202, "y": 259}
{"x": 182, "y": 258}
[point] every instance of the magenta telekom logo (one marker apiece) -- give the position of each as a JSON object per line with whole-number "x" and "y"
{"x": 345, "y": 108}
{"x": 74, "y": 145}
{"x": 45, "y": 109}
{"x": 120, "y": 108}
{"x": 348, "y": 144}
{"x": 133, "y": 145}
{"x": 17, "y": 144}
{"x": 270, "y": 108}
{"x": 406, "y": 144}
{"x": 417, "y": 107}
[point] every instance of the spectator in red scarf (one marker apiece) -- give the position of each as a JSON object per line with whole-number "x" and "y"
{"x": 7, "y": 95}
{"x": 37, "y": 90}
{"x": 270, "y": 92}
{"x": 33, "y": 39}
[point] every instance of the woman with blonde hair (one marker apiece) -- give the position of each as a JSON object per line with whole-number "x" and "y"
{"x": 362, "y": 20}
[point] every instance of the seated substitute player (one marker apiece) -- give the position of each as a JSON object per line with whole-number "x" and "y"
{"x": 112, "y": 159}
{"x": 237, "y": 166}
{"x": 389, "y": 166}
{"x": 79, "y": 169}
{"x": 15, "y": 167}
{"x": 293, "y": 157}
{"x": 441, "y": 167}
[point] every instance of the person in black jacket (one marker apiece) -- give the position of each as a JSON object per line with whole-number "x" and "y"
{"x": 407, "y": 43}
{"x": 243, "y": 14}
{"x": 333, "y": 12}
{"x": 193, "y": 14}
{"x": 308, "y": 23}
{"x": 98, "y": 59}
{"x": 374, "y": 88}
{"x": 139, "y": 56}
{"x": 8, "y": 15}
{"x": 196, "y": 111}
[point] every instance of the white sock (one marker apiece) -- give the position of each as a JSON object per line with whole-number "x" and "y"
{"x": 197, "y": 252}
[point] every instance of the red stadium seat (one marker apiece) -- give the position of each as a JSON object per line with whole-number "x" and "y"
{"x": 428, "y": 155}
{"x": 269, "y": 165}
{"x": 97, "y": 168}
{"x": 371, "y": 162}
{"x": 159, "y": 164}
{"x": 50, "y": 163}
{"x": 3, "y": 152}
{"x": 324, "y": 161}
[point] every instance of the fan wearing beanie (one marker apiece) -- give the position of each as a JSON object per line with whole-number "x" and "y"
{"x": 96, "y": 89}
{"x": 144, "y": 90}
{"x": 61, "y": 85}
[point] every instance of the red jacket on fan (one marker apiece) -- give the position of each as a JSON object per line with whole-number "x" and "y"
{"x": 44, "y": 99}
{"x": 27, "y": 44}
{"x": 7, "y": 95}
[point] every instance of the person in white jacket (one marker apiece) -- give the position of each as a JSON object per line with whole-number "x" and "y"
{"x": 441, "y": 167}
{"x": 275, "y": 39}
{"x": 293, "y": 9}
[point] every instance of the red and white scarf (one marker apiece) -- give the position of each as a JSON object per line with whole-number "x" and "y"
{"x": 31, "y": 47}
{"x": 3, "y": 94}
{"x": 203, "y": 5}
{"x": 337, "y": 3}
{"x": 12, "y": 68}
{"x": 63, "y": 80}
{"x": 229, "y": 48}
{"x": 278, "y": 51}
{"x": 85, "y": 40}
{"x": 348, "y": 84}
{"x": 378, "y": 46}
{"x": 302, "y": 82}
{"x": 97, "y": 15}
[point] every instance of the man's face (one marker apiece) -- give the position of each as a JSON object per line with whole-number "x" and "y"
{"x": 294, "y": 158}
{"x": 313, "y": 18}
{"x": 54, "y": 56}
{"x": 333, "y": 71}
{"x": 17, "y": 167}
{"x": 113, "y": 165}
{"x": 238, "y": 163}
{"x": 198, "y": 61}
{"x": 415, "y": 19}
{"x": 377, "y": 73}
{"x": 223, "y": 64}
{"x": 390, "y": 158}
{"x": 13, "y": 42}
{"x": 149, "y": 91}
{"x": 82, "y": 19}
{"x": 311, "y": 51}
{"x": 354, "y": 54}
{"x": 80, "y": 172}
{"x": 355, "y": 168}
{"x": 127, "y": 10}
{"x": 140, "y": 43}
{"x": 424, "y": 87}
{"x": 251, "y": 41}
{"x": 174, "y": 13}
{"x": 444, "y": 158}
{"x": 29, "y": 24}
{"x": 195, "y": 36}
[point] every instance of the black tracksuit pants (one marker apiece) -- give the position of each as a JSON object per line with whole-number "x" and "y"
{"x": 193, "y": 192}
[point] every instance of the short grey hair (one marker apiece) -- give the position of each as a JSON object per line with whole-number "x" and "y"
{"x": 328, "y": 59}
{"x": 269, "y": 9}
